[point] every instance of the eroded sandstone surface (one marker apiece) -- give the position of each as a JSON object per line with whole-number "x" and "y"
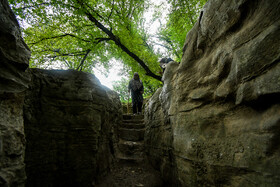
{"x": 14, "y": 60}
{"x": 70, "y": 120}
{"x": 57, "y": 128}
{"x": 216, "y": 120}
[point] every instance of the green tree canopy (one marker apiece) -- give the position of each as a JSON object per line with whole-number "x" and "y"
{"x": 82, "y": 34}
{"x": 181, "y": 18}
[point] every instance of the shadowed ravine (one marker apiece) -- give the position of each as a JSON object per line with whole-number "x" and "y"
{"x": 215, "y": 121}
{"x": 132, "y": 167}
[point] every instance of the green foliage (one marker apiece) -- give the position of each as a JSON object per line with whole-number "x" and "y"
{"x": 181, "y": 18}
{"x": 150, "y": 86}
{"x": 121, "y": 87}
{"x": 61, "y": 34}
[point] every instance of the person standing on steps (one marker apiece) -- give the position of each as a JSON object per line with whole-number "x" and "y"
{"x": 136, "y": 88}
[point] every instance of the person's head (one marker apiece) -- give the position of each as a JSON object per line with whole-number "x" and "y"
{"x": 164, "y": 61}
{"x": 136, "y": 76}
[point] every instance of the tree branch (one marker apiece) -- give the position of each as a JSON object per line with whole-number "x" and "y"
{"x": 99, "y": 40}
{"x": 83, "y": 60}
{"x": 145, "y": 43}
{"x": 59, "y": 36}
{"x": 118, "y": 43}
{"x": 67, "y": 63}
{"x": 61, "y": 55}
{"x": 168, "y": 41}
{"x": 95, "y": 12}
{"x": 113, "y": 4}
{"x": 80, "y": 53}
{"x": 165, "y": 46}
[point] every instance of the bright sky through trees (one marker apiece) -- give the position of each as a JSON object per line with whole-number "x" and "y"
{"x": 152, "y": 26}
{"x": 109, "y": 78}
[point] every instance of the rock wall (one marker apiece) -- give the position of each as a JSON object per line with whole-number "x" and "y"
{"x": 69, "y": 125}
{"x": 14, "y": 60}
{"x": 216, "y": 121}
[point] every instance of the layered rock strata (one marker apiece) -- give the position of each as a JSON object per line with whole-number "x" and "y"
{"x": 68, "y": 117}
{"x": 216, "y": 120}
{"x": 69, "y": 125}
{"x": 14, "y": 60}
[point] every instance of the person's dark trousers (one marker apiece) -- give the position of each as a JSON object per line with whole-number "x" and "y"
{"x": 139, "y": 105}
{"x": 136, "y": 106}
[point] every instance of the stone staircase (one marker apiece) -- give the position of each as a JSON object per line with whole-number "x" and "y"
{"x": 131, "y": 168}
{"x": 131, "y": 138}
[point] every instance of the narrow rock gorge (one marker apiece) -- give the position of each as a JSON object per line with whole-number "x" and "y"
{"x": 216, "y": 120}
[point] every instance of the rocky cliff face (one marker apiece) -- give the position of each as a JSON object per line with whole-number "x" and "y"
{"x": 14, "y": 60}
{"x": 216, "y": 120}
{"x": 69, "y": 124}
{"x": 56, "y": 127}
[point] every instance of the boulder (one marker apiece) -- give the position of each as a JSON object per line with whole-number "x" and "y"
{"x": 70, "y": 119}
{"x": 216, "y": 120}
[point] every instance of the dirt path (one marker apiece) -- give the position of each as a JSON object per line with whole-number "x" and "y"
{"x": 132, "y": 174}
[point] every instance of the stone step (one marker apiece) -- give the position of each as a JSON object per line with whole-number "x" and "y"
{"x": 131, "y": 134}
{"x": 136, "y": 121}
{"x": 129, "y": 148}
{"x": 131, "y": 158}
{"x": 133, "y": 125}
{"x": 131, "y": 117}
